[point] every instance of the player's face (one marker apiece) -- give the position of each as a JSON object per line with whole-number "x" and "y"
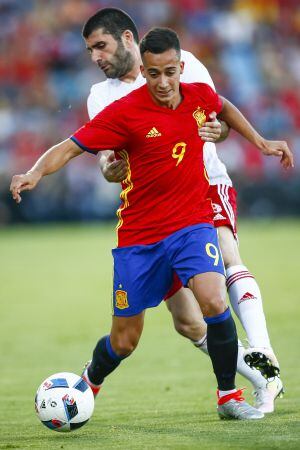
{"x": 162, "y": 72}
{"x": 112, "y": 56}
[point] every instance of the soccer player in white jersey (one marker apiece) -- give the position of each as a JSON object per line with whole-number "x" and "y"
{"x": 112, "y": 39}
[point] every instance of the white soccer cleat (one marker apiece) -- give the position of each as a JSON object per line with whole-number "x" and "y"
{"x": 234, "y": 407}
{"x": 264, "y": 360}
{"x": 265, "y": 396}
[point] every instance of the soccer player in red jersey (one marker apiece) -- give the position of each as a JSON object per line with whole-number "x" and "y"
{"x": 111, "y": 38}
{"x": 165, "y": 221}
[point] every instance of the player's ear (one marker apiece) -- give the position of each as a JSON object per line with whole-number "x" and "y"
{"x": 181, "y": 67}
{"x": 127, "y": 37}
{"x": 142, "y": 69}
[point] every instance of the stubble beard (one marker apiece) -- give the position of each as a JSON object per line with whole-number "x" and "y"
{"x": 121, "y": 64}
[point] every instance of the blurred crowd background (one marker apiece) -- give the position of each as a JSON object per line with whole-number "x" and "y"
{"x": 250, "y": 47}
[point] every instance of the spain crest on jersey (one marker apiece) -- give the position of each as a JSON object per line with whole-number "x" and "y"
{"x": 121, "y": 299}
{"x": 199, "y": 116}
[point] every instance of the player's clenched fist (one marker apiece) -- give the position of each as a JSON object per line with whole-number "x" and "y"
{"x": 113, "y": 170}
{"x": 23, "y": 182}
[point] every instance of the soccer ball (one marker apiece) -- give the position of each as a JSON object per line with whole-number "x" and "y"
{"x": 64, "y": 402}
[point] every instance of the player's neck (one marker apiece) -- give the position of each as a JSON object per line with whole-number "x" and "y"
{"x": 132, "y": 75}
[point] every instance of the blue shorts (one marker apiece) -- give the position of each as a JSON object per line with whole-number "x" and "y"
{"x": 143, "y": 274}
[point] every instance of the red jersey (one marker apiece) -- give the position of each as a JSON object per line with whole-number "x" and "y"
{"x": 166, "y": 187}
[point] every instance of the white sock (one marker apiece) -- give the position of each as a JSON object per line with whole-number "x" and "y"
{"x": 253, "y": 375}
{"x": 202, "y": 344}
{"x": 246, "y": 301}
{"x": 223, "y": 393}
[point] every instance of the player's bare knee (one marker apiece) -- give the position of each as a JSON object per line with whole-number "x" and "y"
{"x": 125, "y": 343}
{"x": 125, "y": 334}
{"x": 124, "y": 346}
{"x": 213, "y": 306}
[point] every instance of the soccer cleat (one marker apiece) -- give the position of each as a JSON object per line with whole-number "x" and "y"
{"x": 264, "y": 360}
{"x": 233, "y": 406}
{"x": 95, "y": 387}
{"x": 265, "y": 396}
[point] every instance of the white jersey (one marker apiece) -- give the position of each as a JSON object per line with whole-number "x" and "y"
{"x": 106, "y": 92}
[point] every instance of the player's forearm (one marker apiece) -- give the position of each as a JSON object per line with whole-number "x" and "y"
{"x": 51, "y": 161}
{"x": 237, "y": 121}
{"x": 55, "y": 158}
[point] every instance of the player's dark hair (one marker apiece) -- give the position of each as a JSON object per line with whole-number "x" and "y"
{"x": 113, "y": 21}
{"x": 158, "y": 40}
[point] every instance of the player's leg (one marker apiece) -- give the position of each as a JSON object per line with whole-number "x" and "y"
{"x": 242, "y": 285}
{"x": 251, "y": 315}
{"x": 142, "y": 276}
{"x": 208, "y": 289}
{"x": 189, "y": 322}
{"x": 186, "y": 314}
{"x": 112, "y": 349}
{"x": 195, "y": 255}
{"x": 243, "y": 291}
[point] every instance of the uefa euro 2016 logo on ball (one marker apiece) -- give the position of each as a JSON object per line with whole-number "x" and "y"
{"x": 64, "y": 402}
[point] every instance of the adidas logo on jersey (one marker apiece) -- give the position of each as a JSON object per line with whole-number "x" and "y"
{"x": 219, "y": 217}
{"x": 153, "y": 133}
{"x": 246, "y": 296}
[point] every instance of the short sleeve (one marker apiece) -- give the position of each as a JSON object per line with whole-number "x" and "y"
{"x": 92, "y": 106}
{"x": 107, "y": 130}
{"x": 210, "y": 98}
{"x": 95, "y": 102}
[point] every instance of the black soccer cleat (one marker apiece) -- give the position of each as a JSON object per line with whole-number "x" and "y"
{"x": 264, "y": 360}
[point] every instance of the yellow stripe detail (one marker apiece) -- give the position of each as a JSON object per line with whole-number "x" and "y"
{"x": 206, "y": 174}
{"x": 125, "y": 192}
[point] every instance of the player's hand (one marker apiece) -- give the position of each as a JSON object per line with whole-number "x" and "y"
{"x": 211, "y": 131}
{"x": 23, "y": 182}
{"x": 113, "y": 170}
{"x": 281, "y": 150}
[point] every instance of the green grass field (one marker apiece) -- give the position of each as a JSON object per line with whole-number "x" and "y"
{"x": 55, "y": 303}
